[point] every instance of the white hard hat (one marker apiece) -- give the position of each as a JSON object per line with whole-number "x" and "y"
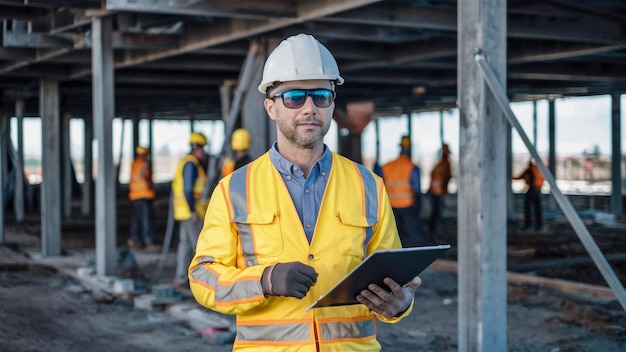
{"x": 297, "y": 58}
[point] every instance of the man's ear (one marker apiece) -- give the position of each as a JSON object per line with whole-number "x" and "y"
{"x": 270, "y": 108}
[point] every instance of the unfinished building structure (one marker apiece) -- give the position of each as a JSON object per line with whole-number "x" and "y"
{"x": 182, "y": 59}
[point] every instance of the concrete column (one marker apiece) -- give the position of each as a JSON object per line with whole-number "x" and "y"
{"x": 482, "y": 180}
{"x": 253, "y": 115}
{"x": 103, "y": 113}
{"x": 409, "y": 127}
{"x": 535, "y": 124}
{"x": 149, "y": 119}
{"x": 68, "y": 175}
{"x": 552, "y": 146}
{"x": 377, "y": 129}
{"x": 226, "y": 93}
{"x": 617, "y": 199}
{"x": 4, "y": 117}
{"x": 18, "y": 196}
{"x": 509, "y": 172}
{"x": 192, "y": 116}
{"x": 87, "y": 201}
{"x": 551, "y": 137}
{"x": 118, "y": 166}
{"x": 409, "y": 122}
{"x": 350, "y": 145}
{"x": 51, "y": 162}
{"x": 135, "y": 121}
{"x": 441, "y": 134}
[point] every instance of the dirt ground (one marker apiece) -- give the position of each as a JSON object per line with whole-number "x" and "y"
{"x": 42, "y": 308}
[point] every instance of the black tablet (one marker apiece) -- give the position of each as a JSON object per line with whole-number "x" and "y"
{"x": 401, "y": 264}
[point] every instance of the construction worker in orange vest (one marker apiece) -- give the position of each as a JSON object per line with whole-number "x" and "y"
{"x": 402, "y": 180}
{"x": 438, "y": 190}
{"x": 534, "y": 180}
{"x": 141, "y": 194}
{"x": 240, "y": 143}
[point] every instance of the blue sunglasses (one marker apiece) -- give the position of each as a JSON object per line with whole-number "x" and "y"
{"x": 295, "y": 98}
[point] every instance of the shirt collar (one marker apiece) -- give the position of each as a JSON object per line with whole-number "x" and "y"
{"x": 286, "y": 167}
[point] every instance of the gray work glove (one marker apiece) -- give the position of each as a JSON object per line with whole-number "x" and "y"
{"x": 288, "y": 279}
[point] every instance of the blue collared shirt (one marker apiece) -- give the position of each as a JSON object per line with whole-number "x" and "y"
{"x": 306, "y": 193}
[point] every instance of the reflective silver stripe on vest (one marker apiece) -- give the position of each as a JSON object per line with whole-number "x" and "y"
{"x": 238, "y": 193}
{"x": 347, "y": 330}
{"x": 371, "y": 203}
{"x": 206, "y": 260}
{"x": 398, "y": 183}
{"x": 226, "y": 293}
{"x": 274, "y": 332}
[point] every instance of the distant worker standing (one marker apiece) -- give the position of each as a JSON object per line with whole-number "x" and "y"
{"x": 141, "y": 194}
{"x": 240, "y": 143}
{"x": 189, "y": 209}
{"x": 402, "y": 180}
{"x": 438, "y": 190}
{"x": 534, "y": 181}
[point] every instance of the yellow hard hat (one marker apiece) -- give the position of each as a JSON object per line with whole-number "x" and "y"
{"x": 197, "y": 138}
{"x": 141, "y": 150}
{"x": 240, "y": 140}
{"x": 405, "y": 142}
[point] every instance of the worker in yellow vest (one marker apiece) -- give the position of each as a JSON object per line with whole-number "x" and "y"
{"x": 438, "y": 190}
{"x": 189, "y": 209}
{"x": 141, "y": 195}
{"x": 283, "y": 229}
{"x": 240, "y": 143}
{"x": 402, "y": 180}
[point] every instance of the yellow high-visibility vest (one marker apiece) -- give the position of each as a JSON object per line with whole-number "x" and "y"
{"x": 251, "y": 223}
{"x": 181, "y": 207}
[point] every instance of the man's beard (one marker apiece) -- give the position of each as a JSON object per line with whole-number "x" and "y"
{"x": 303, "y": 140}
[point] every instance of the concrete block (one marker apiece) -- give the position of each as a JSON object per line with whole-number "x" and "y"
{"x": 144, "y": 302}
{"x": 166, "y": 292}
{"x": 606, "y": 219}
{"x": 202, "y": 318}
{"x": 85, "y": 272}
{"x": 121, "y": 286}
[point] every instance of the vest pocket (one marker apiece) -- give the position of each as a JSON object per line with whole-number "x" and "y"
{"x": 353, "y": 233}
{"x": 259, "y": 234}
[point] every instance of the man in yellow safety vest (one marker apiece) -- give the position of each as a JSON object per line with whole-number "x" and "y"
{"x": 187, "y": 186}
{"x": 283, "y": 229}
